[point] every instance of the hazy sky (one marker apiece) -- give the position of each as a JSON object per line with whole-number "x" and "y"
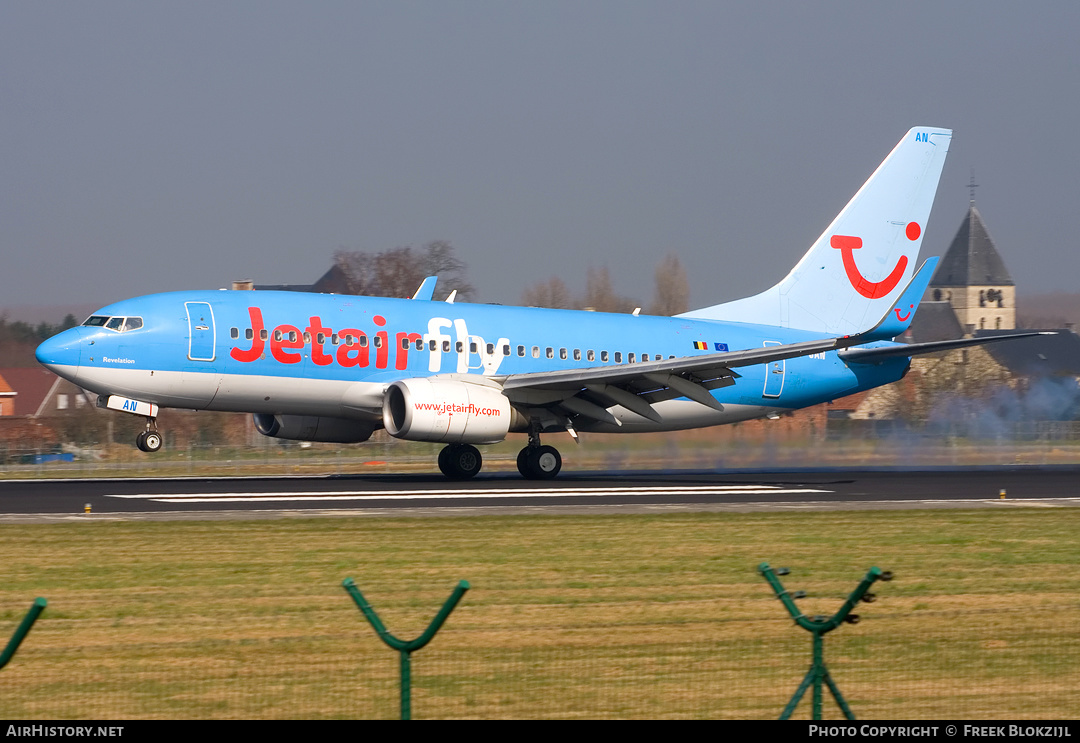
{"x": 152, "y": 146}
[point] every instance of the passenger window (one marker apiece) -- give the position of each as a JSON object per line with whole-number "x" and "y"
{"x": 490, "y": 349}
{"x": 292, "y": 336}
{"x": 234, "y": 332}
{"x": 349, "y": 338}
{"x": 618, "y": 357}
{"x": 262, "y": 334}
{"x": 630, "y": 358}
{"x": 333, "y": 339}
{"x": 536, "y": 352}
{"x": 404, "y": 344}
{"x": 432, "y": 345}
{"x": 307, "y": 337}
{"x": 446, "y": 346}
{"x": 577, "y": 354}
{"x": 521, "y": 350}
{"x": 603, "y": 356}
{"x": 472, "y": 347}
{"x": 550, "y": 352}
{"x": 277, "y": 335}
{"x": 419, "y": 345}
{"x": 562, "y": 353}
{"x": 378, "y": 341}
{"x": 321, "y": 338}
{"x": 590, "y": 355}
{"x": 459, "y": 346}
{"x": 506, "y": 349}
{"x": 644, "y": 357}
{"x": 249, "y": 334}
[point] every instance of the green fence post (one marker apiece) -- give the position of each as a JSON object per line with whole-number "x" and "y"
{"x": 22, "y": 630}
{"x": 818, "y": 627}
{"x": 405, "y": 647}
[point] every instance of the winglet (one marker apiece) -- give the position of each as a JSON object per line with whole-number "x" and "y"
{"x": 427, "y": 289}
{"x": 899, "y": 317}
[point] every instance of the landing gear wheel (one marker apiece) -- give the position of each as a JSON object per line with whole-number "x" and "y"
{"x": 149, "y": 441}
{"x": 460, "y": 461}
{"x": 539, "y": 462}
{"x": 152, "y": 441}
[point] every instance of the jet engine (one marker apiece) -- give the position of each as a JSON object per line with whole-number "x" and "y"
{"x": 313, "y": 428}
{"x": 447, "y": 410}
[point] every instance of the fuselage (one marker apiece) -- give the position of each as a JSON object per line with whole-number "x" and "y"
{"x": 333, "y": 355}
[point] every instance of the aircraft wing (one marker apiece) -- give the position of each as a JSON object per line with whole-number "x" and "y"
{"x": 637, "y": 386}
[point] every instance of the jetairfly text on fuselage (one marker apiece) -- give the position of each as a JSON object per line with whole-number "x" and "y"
{"x": 353, "y": 350}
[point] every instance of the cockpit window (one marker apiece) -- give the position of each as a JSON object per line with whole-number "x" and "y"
{"x": 119, "y": 324}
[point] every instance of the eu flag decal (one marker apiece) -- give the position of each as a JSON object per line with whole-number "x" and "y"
{"x": 720, "y": 346}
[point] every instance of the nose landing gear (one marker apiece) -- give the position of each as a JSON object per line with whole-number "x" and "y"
{"x": 149, "y": 440}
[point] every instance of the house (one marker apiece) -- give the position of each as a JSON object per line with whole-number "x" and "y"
{"x": 40, "y": 393}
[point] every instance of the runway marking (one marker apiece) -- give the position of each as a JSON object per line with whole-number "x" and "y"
{"x": 463, "y": 494}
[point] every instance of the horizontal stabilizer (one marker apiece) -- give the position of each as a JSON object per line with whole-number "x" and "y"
{"x": 874, "y": 355}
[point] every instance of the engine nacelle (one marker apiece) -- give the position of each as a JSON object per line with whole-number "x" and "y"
{"x": 446, "y": 410}
{"x": 313, "y": 428}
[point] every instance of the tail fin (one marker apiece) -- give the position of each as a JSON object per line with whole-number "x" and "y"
{"x": 856, "y": 270}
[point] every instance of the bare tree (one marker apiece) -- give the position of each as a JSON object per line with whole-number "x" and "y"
{"x": 672, "y": 288}
{"x": 397, "y": 272}
{"x": 551, "y": 293}
{"x": 600, "y": 295}
{"x": 439, "y": 260}
{"x": 355, "y": 269}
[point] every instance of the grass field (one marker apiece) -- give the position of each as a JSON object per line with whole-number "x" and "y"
{"x": 568, "y": 617}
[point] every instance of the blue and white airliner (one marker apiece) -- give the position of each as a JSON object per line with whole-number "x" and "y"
{"x": 334, "y": 368}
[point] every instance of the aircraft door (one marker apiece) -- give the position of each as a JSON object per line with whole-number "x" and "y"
{"x": 774, "y": 375}
{"x": 201, "y": 331}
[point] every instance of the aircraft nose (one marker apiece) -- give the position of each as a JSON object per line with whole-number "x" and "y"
{"x": 62, "y": 353}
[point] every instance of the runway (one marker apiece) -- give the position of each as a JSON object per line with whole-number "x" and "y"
{"x": 639, "y": 492}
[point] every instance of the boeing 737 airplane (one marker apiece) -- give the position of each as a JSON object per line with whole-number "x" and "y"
{"x": 334, "y": 368}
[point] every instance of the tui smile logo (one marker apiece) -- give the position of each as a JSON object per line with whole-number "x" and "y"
{"x": 847, "y": 245}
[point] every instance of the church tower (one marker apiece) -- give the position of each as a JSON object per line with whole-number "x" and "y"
{"x": 973, "y": 279}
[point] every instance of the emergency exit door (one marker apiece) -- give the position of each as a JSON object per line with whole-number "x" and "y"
{"x": 201, "y": 331}
{"x": 774, "y": 375}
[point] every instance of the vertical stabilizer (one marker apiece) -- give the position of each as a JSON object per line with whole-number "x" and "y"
{"x": 856, "y": 270}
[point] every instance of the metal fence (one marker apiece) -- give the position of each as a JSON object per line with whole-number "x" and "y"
{"x": 974, "y": 664}
{"x": 842, "y": 443}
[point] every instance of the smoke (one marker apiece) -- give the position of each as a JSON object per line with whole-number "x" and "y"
{"x": 1002, "y": 411}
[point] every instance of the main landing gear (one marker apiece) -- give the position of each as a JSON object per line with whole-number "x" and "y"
{"x": 460, "y": 461}
{"x": 149, "y": 440}
{"x": 536, "y": 462}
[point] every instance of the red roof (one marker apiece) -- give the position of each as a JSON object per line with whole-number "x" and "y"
{"x": 32, "y": 386}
